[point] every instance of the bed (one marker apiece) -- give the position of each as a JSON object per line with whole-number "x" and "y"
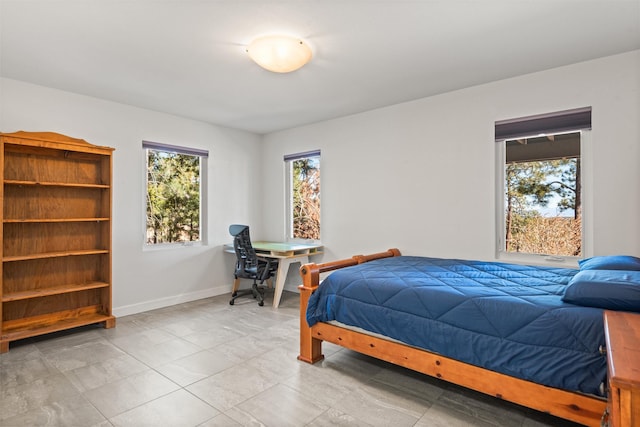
{"x": 547, "y": 356}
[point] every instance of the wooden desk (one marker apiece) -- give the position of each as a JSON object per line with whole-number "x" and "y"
{"x": 622, "y": 331}
{"x": 286, "y": 254}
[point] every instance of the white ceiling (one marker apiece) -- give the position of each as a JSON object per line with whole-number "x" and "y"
{"x": 187, "y": 57}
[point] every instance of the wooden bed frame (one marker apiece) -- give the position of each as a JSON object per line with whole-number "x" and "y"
{"x": 577, "y": 407}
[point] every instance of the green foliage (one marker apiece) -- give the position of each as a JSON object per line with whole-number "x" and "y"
{"x": 532, "y": 179}
{"x": 173, "y": 197}
{"x": 306, "y": 199}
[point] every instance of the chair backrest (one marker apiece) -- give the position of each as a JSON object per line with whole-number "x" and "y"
{"x": 246, "y": 258}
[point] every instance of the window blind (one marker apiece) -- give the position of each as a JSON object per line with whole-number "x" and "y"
{"x": 561, "y": 121}
{"x": 174, "y": 149}
{"x": 303, "y": 155}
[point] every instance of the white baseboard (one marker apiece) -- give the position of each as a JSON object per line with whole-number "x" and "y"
{"x": 168, "y": 301}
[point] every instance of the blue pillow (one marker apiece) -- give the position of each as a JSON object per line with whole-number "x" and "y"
{"x": 611, "y": 262}
{"x": 611, "y": 289}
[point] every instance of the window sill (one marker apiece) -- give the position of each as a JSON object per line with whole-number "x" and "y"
{"x": 166, "y": 246}
{"x": 542, "y": 260}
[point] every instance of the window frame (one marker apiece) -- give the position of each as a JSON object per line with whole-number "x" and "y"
{"x": 288, "y": 171}
{"x": 586, "y": 187}
{"x": 203, "y": 156}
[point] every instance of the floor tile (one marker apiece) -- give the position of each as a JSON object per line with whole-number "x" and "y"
{"x": 104, "y": 372}
{"x": 125, "y": 394}
{"x": 142, "y": 339}
{"x": 45, "y": 391}
{"x": 324, "y": 385}
{"x": 220, "y": 420}
{"x": 220, "y": 334}
{"x": 24, "y": 371}
{"x": 441, "y": 416}
{"x": 72, "y": 412}
{"x": 280, "y": 406}
{"x": 279, "y": 363}
{"x": 78, "y": 355}
{"x": 197, "y": 366}
{"x": 178, "y": 409}
{"x": 168, "y": 351}
{"x": 333, "y": 417}
{"x": 20, "y": 351}
{"x": 411, "y": 382}
{"x": 232, "y": 386}
{"x": 480, "y": 407}
{"x": 69, "y": 338}
{"x": 245, "y": 347}
{"x": 381, "y": 405}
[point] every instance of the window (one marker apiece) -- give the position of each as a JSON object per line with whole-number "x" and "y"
{"x": 541, "y": 210}
{"x": 303, "y": 189}
{"x": 174, "y": 196}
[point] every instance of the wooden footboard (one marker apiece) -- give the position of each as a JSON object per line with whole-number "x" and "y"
{"x": 575, "y": 407}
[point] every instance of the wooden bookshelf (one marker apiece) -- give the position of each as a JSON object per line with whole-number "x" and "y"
{"x": 56, "y": 235}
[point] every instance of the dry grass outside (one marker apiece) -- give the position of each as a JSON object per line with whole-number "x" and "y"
{"x": 539, "y": 235}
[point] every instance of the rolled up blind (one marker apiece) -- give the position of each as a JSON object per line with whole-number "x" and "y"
{"x": 303, "y": 155}
{"x": 174, "y": 149}
{"x": 561, "y": 121}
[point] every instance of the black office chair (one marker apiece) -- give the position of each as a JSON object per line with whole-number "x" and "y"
{"x": 249, "y": 265}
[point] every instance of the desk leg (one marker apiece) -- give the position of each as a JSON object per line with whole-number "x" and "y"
{"x": 236, "y": 285}
{"x": 281, "y": 275}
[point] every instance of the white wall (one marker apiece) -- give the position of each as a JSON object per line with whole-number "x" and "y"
{"x": 420, "y": 176}
{"x": 142, "y": 279}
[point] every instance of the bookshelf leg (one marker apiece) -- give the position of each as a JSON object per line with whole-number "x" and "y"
{"x": 111, "y": 323}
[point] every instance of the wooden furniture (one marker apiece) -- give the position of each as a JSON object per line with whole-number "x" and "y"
{"x": 56, "y": 235}
{"x": 286, "y": 254}
{"x": 576, "y": 407}
{"x": 622, "y": 331}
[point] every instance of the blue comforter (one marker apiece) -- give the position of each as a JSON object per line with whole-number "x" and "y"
{"x": 504, "y": 317}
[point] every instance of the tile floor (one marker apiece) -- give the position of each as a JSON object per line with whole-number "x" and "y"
{"x": 207, "y": 363}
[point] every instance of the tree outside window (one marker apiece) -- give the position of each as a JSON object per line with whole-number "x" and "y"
{"x": 173, "y": 208}
{"x": 304, "y": 196}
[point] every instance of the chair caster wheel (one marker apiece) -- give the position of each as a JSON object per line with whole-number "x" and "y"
{"x": 261, "y": 303}
{"x": 231, "y": 302}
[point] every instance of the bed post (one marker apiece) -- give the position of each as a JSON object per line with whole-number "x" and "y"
{"x": 310, "y": 347}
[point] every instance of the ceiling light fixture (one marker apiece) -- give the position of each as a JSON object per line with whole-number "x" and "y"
{"x": 280, "y": 54}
